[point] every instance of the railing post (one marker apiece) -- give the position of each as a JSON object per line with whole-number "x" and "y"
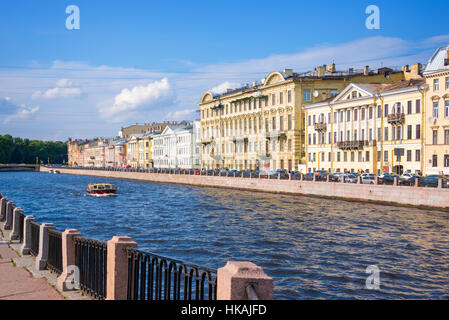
{"x": 359, "y": 179}
{"x": 416, "y": 182}
{"x": 67, "y": 280}
{"x": 440, "y": 183}
{"x": 236, "y": 276}
{"x": 314, "y": 177}
{"x": 376, "y": 180}
{"x": 342, "y": 179}
{"x": 9, "y": 210}
{"x": 301, "y": 177}
{"x": 25, "y": 249}
{"x": 290, "y": 176}
{"x": 15, "y": 223}
{"x": 3, "y": 202}
{"x": 42, "y": 257}
{"x": 395, "y": 181}
{"x": 279, "y": 176}
{"x": 117, "y": 266}
{"x": 328, "y": 179}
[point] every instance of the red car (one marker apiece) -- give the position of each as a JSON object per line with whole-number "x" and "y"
{"x": 127, "y": 166}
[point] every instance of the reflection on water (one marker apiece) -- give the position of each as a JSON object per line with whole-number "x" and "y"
{"x": 313, "y": 248}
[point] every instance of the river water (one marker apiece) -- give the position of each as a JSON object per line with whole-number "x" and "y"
{"x": 313, "y": 248}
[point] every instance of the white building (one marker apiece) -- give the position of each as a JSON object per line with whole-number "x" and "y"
{"x": 177, "y": 147}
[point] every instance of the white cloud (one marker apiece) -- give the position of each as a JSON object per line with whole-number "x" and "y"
{"x": 10, "y": 111}
{"x": 139, "y": 98}
{"x": 63, "y": 90}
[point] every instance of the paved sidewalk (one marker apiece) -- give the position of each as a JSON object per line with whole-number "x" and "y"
{"x": 16, "y": 283}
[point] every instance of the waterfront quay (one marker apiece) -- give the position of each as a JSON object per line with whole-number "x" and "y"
{"x": 395, "y": 194}
{"x": 116, "y": 269}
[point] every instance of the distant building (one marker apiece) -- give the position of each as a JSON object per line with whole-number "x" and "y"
{"x": 126, "y": 132}
{"x": 177, "y": 147}
{"x": 436, "y": 74}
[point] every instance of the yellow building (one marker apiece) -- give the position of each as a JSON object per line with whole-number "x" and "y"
{"x": 262, "y": 126}
{"x": 144, "y": 142}
{"x": 436, "y": 74}
{"x": 372, "y": 128}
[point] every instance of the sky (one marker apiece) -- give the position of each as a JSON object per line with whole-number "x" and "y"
{"x": 143, "y": 61}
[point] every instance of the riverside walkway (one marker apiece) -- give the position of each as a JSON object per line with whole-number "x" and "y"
{"x": 16, "y": 281}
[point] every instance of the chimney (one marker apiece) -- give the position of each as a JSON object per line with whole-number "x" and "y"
{"x": 366, "y": 70}
{"x": 288, "y": 71}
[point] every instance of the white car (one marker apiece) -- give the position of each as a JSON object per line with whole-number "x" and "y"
{"x": 368, "y": 178}
{"x": 406, "y": 176}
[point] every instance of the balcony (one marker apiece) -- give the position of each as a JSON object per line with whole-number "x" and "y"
{"x": 396, "y": 118}
{"x": 206, "y": 141}
{"x": 351, "y": 145}
{"x": 276, "y": 134}
{"x": 320, "y": 126}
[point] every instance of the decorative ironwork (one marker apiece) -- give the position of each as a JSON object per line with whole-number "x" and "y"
{"x": 320, "y": 126}
{"x": 351, "y": 145}
{"x": 153, "y": 277}
{"x": 54, "y": 262}
{"x": 90, "y": 258}
{"x": 21, "y": 221}
{"x": 35, "y": 232}
{"x": 396, "y": 118}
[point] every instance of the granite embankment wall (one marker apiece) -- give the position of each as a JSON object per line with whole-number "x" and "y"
{"x": 432, "y": 198}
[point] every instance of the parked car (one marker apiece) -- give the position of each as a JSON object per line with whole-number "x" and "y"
{"x": 368, "y": 178}
{"x": 265, "y": 174}
{"x": 432, "y": 181}
{"x": 349, "y": 178}
{"x": 308, "y": 176}
{"x": 387, "y": 178}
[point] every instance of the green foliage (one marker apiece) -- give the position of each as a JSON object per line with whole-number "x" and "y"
{"x": 16, "y": 150}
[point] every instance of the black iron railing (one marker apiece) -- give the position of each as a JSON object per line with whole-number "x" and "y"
{"x": 34, "y": 231}
{"x": 153, "y": 277}
{"x": 54, "y": 262}
{"x": 21, "y": 221}
{"x": 90, "y": 258}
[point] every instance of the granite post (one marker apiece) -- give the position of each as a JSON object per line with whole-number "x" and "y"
{"x": 42, "y": 257}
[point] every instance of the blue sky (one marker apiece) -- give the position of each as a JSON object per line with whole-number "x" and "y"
{"x": 143, "y": 61}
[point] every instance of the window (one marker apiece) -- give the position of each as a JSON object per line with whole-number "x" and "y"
{"x": 281, "y": 123}
{"x": 446, "y": 160}
{"x": 446, "y": 108}
{"x": 273, "y": 99}
{"x": 434, "y": 160}
{"x": 359, "y": 156}
{"x": 398, "y": 135}
{"x": 379, "y": 134}
{"x": 418, "y": 131}
{"x": 363, "y": 134}
{"x": 289, "y": 96}
{"x": 434, "y": 136}
{"x": 348, "y": 115}
{"x": 417, "y": 155}
{"x": 446, "y": 136}
{"x": 386, "y": 156}
{"x": 379, "y": 154}
{"x": 289, "y": 145}
{"x": 352, "y": 156}
{"x": 338, "y": 156}
{"x": 363, "y": 114}
{"x": 436, "y": 84}
{"x": 418, "y": 106}
{"x": 345, "y": 156}
{"x": 281, "y": 97}
{"x": 306, "y": 95}
{"x": 409, "y": 155}
{"x": 386, "y": 133}
{"x": 370, "y": 134}
{"x": 289, "y": 122}
{"x": 409, "y": 132}
{"x": 386, "y": 110}
{"x": 370, "y": 112}
{"x": 367, "y": 156}
{"x": 409, "y": 107}
{"x": 267, "y": 127}
{"x": 309, "y": 120}
{"x": 355, "y": 114}
{"x": 435, "y": 109}
{"x": 355, "y": 134}
{"x": 447, "y": 83}
{"x": 379, "y": 111}
{"x": 314, "y": 138}
{"x": 335, "y": 117}
{"x": 274, "y": 123}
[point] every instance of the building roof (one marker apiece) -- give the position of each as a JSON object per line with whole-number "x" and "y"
{"x": 437, "y": 61}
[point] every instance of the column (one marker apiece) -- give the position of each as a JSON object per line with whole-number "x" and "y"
{"x": 69, "y": 278}
{"x": 25, "y": 249}
{"x": 9, "y": 210}
{"x": 15, "y": 224}
{"x": 242, "y": 280}
{"x": 42, "y": 257}
{"x": 117, "y": 266}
